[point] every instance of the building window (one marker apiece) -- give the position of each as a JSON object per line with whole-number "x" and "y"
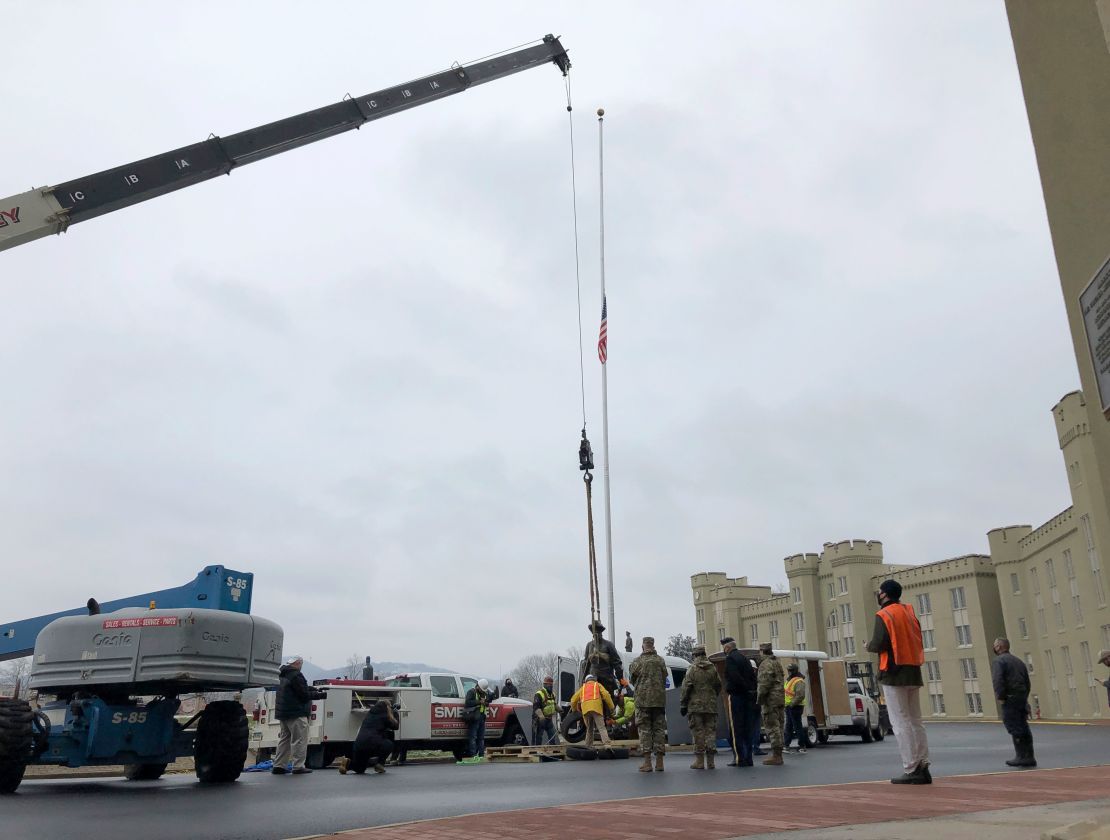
{"x": 797, "y": 595}
{"x": 1038, "y": 601}
{"x": 800, "y": 622}
{"x": 1092, "y": 557}
{"x": 701, "y": 615}
{"x": 938, "y": 703}
{"x": 1073, "y": 586}
{"x": 974, "y": 703}
{"x": 967, "y": 668}
{"x": 1023, "y": 629}
{"x": 1089, "y": 677}
{"x": 1069, "y": 677}
{"x": 963, "y": 635}
{"x": 701, "y": 637}
{"x": 924, "y": 605}
{"x": 1106, "y": 637}
{"x": 842, "y": 585}
{"x": 1029, "y": 661}
{"x": 774, "y": 629}
{"x": 834, "y": 649}
{"x": 753, "y": 633}
{"x": 932, "y": 670}
{"x": 845, "y": 613}
{"x": 849, "y": 645}
{"x": 830, "y": 622}
{"x": 830, "y": 590}
{"x": 1015, "y": 584}
{"x": 927, "y": 640}
{"x": 1050, "y": 666}
{"x": 721, "y": 634}
{"x": 959, "y": 602}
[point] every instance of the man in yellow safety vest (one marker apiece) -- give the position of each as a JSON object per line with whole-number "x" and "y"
{"x": 593, "y": 701}
{"x": 794, "y": 691}
{"x": 543, "y": 713}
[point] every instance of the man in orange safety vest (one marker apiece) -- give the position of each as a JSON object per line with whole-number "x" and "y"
{"x": 897, "y": 640}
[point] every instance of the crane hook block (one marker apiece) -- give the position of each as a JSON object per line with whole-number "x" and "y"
{"x": 585, "y": 453}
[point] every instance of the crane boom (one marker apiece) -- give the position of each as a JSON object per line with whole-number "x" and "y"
{"x": 50, "y": 210}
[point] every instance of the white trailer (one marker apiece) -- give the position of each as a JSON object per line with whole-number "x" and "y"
{"x": 835, "y": 704}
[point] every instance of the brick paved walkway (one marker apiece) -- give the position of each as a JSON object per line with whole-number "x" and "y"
{"x": 717, "y": 816}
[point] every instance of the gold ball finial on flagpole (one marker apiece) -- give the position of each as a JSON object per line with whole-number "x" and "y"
{"x": 601, "y": 112}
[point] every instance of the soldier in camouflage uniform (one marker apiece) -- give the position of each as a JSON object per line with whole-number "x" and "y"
{"x": 700, "y": 690}
{"x": 649, "y": 676}
{"x": 772, "y": 698}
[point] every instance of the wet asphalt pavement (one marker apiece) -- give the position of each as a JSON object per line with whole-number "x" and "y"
{"x": 269, "y": 807}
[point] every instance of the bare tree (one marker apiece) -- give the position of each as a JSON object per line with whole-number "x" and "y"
{"x": 681, "y": 645}
{"x": 353, "y": 669}
{"x": 576, "y": 653}
{"x": 530, "y": 671}
{"x": 14, "y": 676}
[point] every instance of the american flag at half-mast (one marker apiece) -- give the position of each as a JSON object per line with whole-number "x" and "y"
{"x": 602, "y": 339}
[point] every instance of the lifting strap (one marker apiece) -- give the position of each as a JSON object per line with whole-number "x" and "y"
{"x": 585, "y": 451}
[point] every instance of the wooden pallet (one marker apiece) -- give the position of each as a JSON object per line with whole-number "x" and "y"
{"x": 510, "y": 755}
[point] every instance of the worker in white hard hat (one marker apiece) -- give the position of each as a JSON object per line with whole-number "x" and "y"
{"x": 475, "y": 709}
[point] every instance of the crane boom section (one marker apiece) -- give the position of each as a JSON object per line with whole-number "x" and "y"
{"x": 49, "y": 210}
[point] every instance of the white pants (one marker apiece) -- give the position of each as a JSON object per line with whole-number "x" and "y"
{"x": 292, "y": 742}
{"x": 903, "y": 704}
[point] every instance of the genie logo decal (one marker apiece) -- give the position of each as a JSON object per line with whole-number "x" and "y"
{"x": 114, "y": 640}
{"x": 9, "y": 217}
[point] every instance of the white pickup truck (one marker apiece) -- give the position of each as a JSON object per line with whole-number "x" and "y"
{"x": 430, "y": 716}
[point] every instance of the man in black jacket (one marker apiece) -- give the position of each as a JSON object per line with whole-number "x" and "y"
{"x": 374, "y": 743}
{"x": 740, "y": 686}
{"x": 1011, "y": 687}
{"x": 292, "y": 708}
{"x": 509, "y": 689}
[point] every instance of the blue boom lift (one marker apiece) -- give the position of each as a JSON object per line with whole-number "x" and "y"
{"x": 116, "y": 671}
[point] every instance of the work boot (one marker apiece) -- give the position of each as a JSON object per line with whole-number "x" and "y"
{"x": 379, "y": 768}
{"x": 278, "y": 771}
{"x": 659, "y": 763}
{"x": 917, "y": 776}
{"x": 709, "y": 759}
{"x": 1025, "y": 756}
{"x": 699, "y": 762}
{"x": 301, "y": 771}
{"x": 775, "y": 758}
{"x": 1016, "y": 760}
{"x": 344, "y": 763}
{"x": 646, "y": 766}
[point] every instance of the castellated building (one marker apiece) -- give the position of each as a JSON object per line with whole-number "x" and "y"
{"x": 1043, "y": 589}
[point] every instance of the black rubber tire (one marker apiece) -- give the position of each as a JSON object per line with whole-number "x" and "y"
{"x": 143, "y": 772}
{"x": 573, "y": 728}
{"x": 811, "y": 731}
{"x": 220, "y": 748}
{"x": 575, "y": 753}
{"x": 866, "y": 735}
{"x": 877, "y": 733}
{"x": 16, "y": 742}
{"x": 610, "y": 753}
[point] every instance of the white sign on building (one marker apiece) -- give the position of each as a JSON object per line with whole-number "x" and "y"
{"x": 1094, "y": 303}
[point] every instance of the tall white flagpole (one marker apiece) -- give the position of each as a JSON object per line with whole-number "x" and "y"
{"x": 605, "y": 389}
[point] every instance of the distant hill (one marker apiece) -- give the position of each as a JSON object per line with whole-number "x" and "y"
{"x": 312, "y": 671}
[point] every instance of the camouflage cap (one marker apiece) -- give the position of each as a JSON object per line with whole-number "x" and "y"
{"x": 698, "y": 650}
{"x": 649, "y": 641}
{"x": 765, "y": 647}
{"x": 1103, "y": 655}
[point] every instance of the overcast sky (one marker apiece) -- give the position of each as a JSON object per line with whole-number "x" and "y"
{"x": 353, "y": 369}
